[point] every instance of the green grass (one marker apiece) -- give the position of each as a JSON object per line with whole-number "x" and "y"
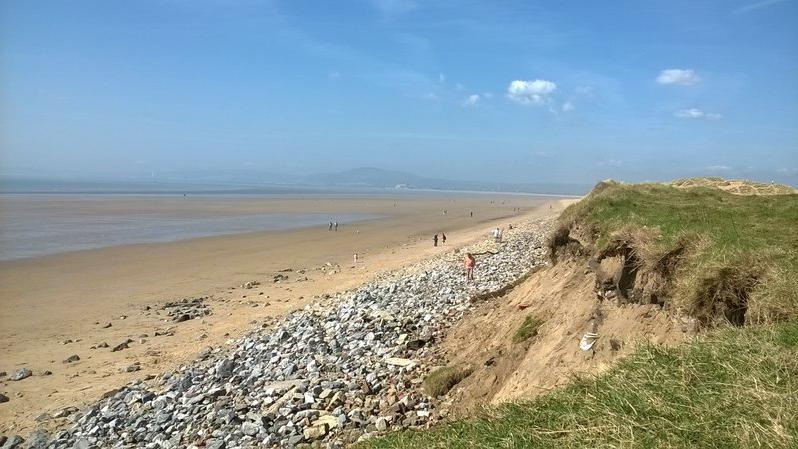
{"x": 440, "y": 381}
{"x": 735, "y": 388}
{"x": 527, "y": 330}
{"x": 736, "y": 242}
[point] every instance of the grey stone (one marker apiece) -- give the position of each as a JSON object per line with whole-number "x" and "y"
{"x": 20, "y": 374}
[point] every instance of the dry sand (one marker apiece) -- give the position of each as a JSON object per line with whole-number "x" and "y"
{"x": 71, "y": 296}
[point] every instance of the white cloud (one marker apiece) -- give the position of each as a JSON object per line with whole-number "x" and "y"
{"x": 695, "y": 113}
{"x": 531, "y": 92}
{"x": 441, "y": 78}
{"x": 567, "y": 106}
{"x": 719, "y": 168}
{"x": 471, "y": 100}
{"x": 682, "y": 77}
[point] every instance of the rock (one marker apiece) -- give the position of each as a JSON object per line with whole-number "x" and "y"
{"x": 397, "y": 361}
{"x": 224, "y": 368}
{"x": 121, "y": 346}
{"x": 215, "y": 444}
{"x": 72, "y": 358}
{"x": 63, "y": 413}
{"x": 249, "y": 428}
{"x": 131, "y": 368}
{"x": 13, "y": 442}
{"x": 381, "y": 424}
{"x": 38, "y": 440}
{"x": 3, "y": 398}
{"x": 315, "y": 432}
{"x": 22, "y": 373}
{"x": 106, "y": 325}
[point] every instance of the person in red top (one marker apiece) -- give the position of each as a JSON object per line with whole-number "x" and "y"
{"x": 470, "y": 262}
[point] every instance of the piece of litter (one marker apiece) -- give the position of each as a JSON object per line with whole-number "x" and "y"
{"x": 588, "y": 340}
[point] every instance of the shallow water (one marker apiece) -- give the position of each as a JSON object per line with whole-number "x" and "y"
{"x": 33, "y": 226}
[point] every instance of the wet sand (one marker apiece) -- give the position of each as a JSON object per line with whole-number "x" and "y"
{"x": 49, "y": 300}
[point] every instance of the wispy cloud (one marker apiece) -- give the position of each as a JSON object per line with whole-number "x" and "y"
{"x": 695, "y": 113}
{"x": 718, "y": 168}
{"x": 567, "y": 106}
{"x": 390, "y": 8}
{"x": 471, "y": 100}
{"x": 682, "y": 77}
{"x": 757, "y": 5}
{"x": 535, "y": 92}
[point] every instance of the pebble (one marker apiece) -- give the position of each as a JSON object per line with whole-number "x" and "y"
{"x": 328, "y": 374}
{"x": 20, "y": 374}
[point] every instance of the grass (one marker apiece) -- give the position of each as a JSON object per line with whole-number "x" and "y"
{"x": 440, "y": 381}
{"x": 734, "y": 388}
{"x": 527, "y": 330}
{"x": 736, "y": 248}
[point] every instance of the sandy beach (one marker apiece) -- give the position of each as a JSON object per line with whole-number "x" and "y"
{"x": 61, "y": 305}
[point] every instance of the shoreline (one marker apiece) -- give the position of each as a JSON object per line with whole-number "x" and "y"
{"x": 212, "y": 267}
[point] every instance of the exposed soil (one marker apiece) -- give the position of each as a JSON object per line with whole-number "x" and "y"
{"x": 564, "y": 297}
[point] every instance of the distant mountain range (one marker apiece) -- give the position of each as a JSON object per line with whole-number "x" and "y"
{"x": 379, "y": 178}
{"x": 254, "y": 181}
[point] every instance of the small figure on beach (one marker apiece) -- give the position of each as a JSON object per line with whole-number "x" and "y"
{"x": 470, "y": 263}
{"x": 354, "y": 258}
{"x": 472, "y": 214}
{"x": 335, "y": 225}
{"x": 443, "y": 238}
{"x": 435, "y": 240}
{"x": 331, "y": 225}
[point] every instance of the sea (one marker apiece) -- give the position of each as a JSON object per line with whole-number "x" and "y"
{"x": 34, "y": 225}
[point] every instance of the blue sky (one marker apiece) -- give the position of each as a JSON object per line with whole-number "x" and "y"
{"x": 488, "y": 90}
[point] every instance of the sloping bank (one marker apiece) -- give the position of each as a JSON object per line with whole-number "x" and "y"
{"x": 340, "y": 368}
{"x": 667, "y": 319}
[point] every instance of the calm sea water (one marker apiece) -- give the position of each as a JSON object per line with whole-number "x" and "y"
{"x": 33, "y": 226}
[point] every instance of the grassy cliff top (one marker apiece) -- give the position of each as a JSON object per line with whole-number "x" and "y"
{"x": 727, "y": 244}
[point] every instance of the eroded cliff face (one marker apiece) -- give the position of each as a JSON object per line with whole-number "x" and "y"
{"x": 569, "y": 302}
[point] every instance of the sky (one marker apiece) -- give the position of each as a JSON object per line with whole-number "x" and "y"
{"x": 515, "y": 91}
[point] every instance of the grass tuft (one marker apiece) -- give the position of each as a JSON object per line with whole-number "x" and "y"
{"x": 528, "y": 329}
{"x": 440, "y": 381}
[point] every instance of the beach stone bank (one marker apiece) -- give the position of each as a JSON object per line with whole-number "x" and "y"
{"x": 344, "y": 368}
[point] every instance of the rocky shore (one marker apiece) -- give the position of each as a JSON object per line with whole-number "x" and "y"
{"x": 343, "y": 368}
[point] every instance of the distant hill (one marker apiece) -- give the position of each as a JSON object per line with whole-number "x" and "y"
{"x": 379, "y": 178}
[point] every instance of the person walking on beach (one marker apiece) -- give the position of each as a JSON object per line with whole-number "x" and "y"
{"x": 331, "y": 224}
{"x": 336, "y": 225}
{"x": 435, "y": 240}
{"x": 443, "y": 238}
{"x": 472, "y": 214}
{"x": 470, "y": 263}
